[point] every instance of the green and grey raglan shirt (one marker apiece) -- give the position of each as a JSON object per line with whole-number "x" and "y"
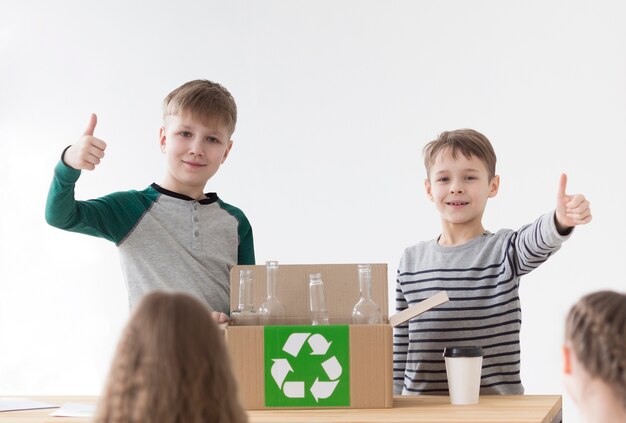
{"x": 166, "y": 240}
{"x": 482, "y": 279}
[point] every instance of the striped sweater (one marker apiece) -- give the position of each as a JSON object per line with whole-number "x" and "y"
{"x": 482, "y": 279}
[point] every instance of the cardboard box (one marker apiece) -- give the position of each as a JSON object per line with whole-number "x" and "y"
{"x": 296, "y": 365}
{"x": 367, "y": 376}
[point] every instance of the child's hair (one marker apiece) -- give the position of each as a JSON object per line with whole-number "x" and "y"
{"x": 205, "y": 100}
{"x": 466, "y": 141}
{"x": 596, "y": 331}
{"x": 171, "y": 365}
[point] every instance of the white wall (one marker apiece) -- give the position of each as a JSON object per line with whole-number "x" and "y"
{"x": 336, "y": 99}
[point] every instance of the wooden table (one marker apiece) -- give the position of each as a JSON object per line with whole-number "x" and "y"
{"x": 415, "y": 409}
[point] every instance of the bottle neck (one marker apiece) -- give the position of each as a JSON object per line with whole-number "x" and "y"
{"x": 365, "y": 284}
{"x": 271, "y": 282}
{"x": 245, "y": 294}
{"x": 316, "y": 296}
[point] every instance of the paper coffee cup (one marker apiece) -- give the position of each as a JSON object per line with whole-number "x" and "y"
{"x": 463, "y": 367}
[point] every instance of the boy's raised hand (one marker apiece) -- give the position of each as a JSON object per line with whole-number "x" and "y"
{"x": 88, "y": 151}
{"x": 571, "y": 210}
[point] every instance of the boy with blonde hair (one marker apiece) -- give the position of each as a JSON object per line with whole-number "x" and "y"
{"x": 173, "y": 235}
{"x": 480, "y": 270}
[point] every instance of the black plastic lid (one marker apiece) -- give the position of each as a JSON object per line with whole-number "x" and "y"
{"x": 463, "y": 352}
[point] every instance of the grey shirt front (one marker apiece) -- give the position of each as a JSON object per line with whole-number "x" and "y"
{"x": 482, "y": 279}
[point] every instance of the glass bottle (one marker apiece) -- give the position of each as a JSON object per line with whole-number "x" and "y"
{"x": 272, "y": 309}
{"x": 319, "y": 313}
{"x": 366, "y": 311}
{"x": 245, "y": 314}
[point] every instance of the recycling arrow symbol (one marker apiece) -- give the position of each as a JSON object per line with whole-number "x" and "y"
{"x": 320, "y": 389}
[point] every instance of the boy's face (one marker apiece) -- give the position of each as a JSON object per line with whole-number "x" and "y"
{"x": 460, "y": 187}
{"x": 193, "y": 152}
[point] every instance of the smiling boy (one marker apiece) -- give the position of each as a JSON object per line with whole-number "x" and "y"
{"x": 193, "y": 152}
{"x": 173, "y": 235}
{"x": 480, "y": 270}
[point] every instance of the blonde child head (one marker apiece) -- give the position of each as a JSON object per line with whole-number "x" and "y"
{"x": 205, "y": 101}
{"x": 171, "y": 365}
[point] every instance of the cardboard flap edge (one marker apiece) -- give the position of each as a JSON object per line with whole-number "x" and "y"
{"x": 419, "y": 308}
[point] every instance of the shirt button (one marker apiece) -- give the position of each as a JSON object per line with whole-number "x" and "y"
{"x": 195, "y": 218}
{"x": 196, "y": 234}
{"x": 195, "y": 206}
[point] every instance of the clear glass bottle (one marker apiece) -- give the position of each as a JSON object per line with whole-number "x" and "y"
{"x": 272, "y": 310}
{"x": 245, "y": 314}
{"x": 366, "y": 311}
{"x": 319, "y": 313}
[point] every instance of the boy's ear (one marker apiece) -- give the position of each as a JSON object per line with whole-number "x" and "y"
{"x": 494, "y": 185}
{"x": 230, "y": 145}
{"x": 162, "y": 139}
{"x": 567, "y": 360}
{"x": 428, "y": 187}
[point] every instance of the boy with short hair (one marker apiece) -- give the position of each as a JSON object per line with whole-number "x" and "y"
{"x": 173, "y": 235}
{"x": 480, "y": 270}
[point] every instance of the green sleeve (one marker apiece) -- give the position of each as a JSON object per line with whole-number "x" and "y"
{"x": 246, "y": 243}
{"x": 245, "y": 251}
{"x": 111, "y": 217}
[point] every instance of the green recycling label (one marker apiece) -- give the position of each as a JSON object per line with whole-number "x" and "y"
{"x": 307, "y": 366}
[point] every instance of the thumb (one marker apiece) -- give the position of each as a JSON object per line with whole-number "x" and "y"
{"x": 562, "y": 186}
{"x": 92, "y": 124}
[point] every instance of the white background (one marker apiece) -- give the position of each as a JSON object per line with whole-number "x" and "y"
{"x": 336, "y": 100}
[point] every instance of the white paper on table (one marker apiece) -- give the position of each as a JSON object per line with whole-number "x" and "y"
{"x": 75, "y": 409}
{"x": 15, "y": 404}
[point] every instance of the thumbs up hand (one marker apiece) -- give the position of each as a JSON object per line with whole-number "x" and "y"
{"x": 88, "y": 151}
{"x": 571, "y": 210}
